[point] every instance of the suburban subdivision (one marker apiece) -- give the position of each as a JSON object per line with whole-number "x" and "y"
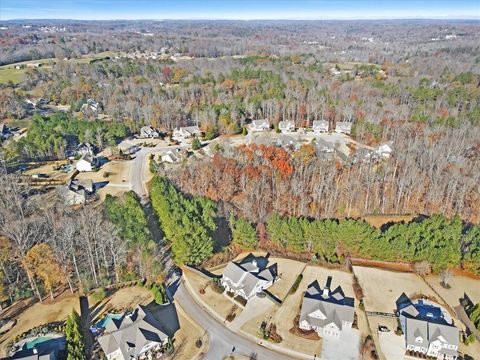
{"x": 260, "y": 180}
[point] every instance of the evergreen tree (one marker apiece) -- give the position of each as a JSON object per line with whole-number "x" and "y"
{"x": 187, "y": 223}
{"x": 74, "y": 338}
{"x": 243, "y": 233}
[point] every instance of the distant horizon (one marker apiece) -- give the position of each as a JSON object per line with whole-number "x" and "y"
{"x": 246, "y": 10}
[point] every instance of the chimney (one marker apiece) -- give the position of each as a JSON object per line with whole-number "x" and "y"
{"x": 326, "y": 289}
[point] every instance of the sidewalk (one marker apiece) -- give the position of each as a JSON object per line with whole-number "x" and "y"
{"x": 247, "y": 336}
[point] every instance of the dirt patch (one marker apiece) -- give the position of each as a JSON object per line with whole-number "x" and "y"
{"x": 395, "y": 266}
{"x": 379, "y": 220}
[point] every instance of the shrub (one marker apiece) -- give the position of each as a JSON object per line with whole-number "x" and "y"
{"x": 99, "y": 295}
{"x": 240, "y": 300}
{"x": 217, "y": 287}
{"x": 196, "y": 144}
{"x": 230, "y": 294}
{"x": 296, "y": 284}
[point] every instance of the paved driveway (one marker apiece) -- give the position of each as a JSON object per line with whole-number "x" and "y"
{"x": 254, "y": 308}
{"x": 392, "y": 345}
{"x": 347, "y": 347}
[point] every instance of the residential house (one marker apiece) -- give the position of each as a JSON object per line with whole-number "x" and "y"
{"x": 249, "y": 276}
{"x": 344, "y": 127}
{"x": 259, "y": 125}
{"x": 85, "y": 149}
{"x": 172, "y": 156}
{"x": 76, "y": 191}
{"x": 36, "y": 103}
{"x": 320, "y": 126}
{"x": 428, "y": 329}
{"x": 287, "y": 142}
{"x": 186, "y": 132}
{"x": 326, "y": 311}
{"x": 286, "y": 126}
{"x": 141, "y": 334}
{"x": 87, "y": 163}
{"x": 324, "y": 146}
{"x": 91, "y": 106}
{"x": 384, "y": 150}
{"x": 148, "y": 132}
{"x": 50, "y": 349}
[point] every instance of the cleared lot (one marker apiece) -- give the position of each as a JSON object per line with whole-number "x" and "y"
{"x": 382, "y": 288}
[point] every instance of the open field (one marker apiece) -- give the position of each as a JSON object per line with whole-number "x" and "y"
{"x": 218, "y": 303}
{"x": 9, "y": 73}
{"x": 382, "y": 288}
{"x": 62, "y": 306}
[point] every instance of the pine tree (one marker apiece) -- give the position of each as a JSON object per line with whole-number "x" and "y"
{"x": 74, "y": 338}
{"x": 243, "y": 233}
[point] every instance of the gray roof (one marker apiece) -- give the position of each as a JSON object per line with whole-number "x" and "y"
{"x": 263, "y": 122}
{"x": 132, "y": 332}
{"x": 334, "y": 305}
{"x": 320, "y": 123}
{"x": 419, "y": 324}
{"x": 249, "y": 271}
{"x": 193, "y": 130}
{"x": 286, "y": 124}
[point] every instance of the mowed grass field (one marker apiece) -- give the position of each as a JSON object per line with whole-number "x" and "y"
{"x": 9, "y": 73}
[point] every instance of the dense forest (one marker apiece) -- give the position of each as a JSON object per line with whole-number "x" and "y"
{"x": 44, "y": 246}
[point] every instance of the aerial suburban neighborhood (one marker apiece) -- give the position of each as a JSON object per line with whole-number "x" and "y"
{"x": 231, "y": 180}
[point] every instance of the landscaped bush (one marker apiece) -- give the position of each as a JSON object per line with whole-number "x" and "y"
{"x": 295, "y": 285}
{"x": 240, "y": 300}
{"x": 230, "y": 294}
{"x": 217, "y": 287}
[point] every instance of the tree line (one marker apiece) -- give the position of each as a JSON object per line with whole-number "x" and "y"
{"x": 188, "y": 223}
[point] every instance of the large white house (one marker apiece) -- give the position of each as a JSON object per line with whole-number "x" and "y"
{"x": 148, "y": 132}
{"x": 428, "y": 329}
{"x": 249, "y": 276}
{"x": 343, "y": 127}
{"x": 286, "y": 126}
{"x": 87, "y": 163}
{"x": 259, "y": 125}
{"x": 325, "y": 311}
{"x": 320, "y": 126}
{"x": 186, "y": 132}
{"x": 141, "y": 334}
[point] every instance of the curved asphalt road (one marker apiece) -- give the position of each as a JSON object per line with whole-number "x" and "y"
{"x": 221, "y": 339}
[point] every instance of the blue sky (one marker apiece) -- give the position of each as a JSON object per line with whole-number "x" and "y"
{"x": 237, "y": 9}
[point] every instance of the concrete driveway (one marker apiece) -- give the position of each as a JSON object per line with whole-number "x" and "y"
{"x": 392, "y": 346}
{"x": 347, "y": 347}
{"x": 254, "y": 308}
